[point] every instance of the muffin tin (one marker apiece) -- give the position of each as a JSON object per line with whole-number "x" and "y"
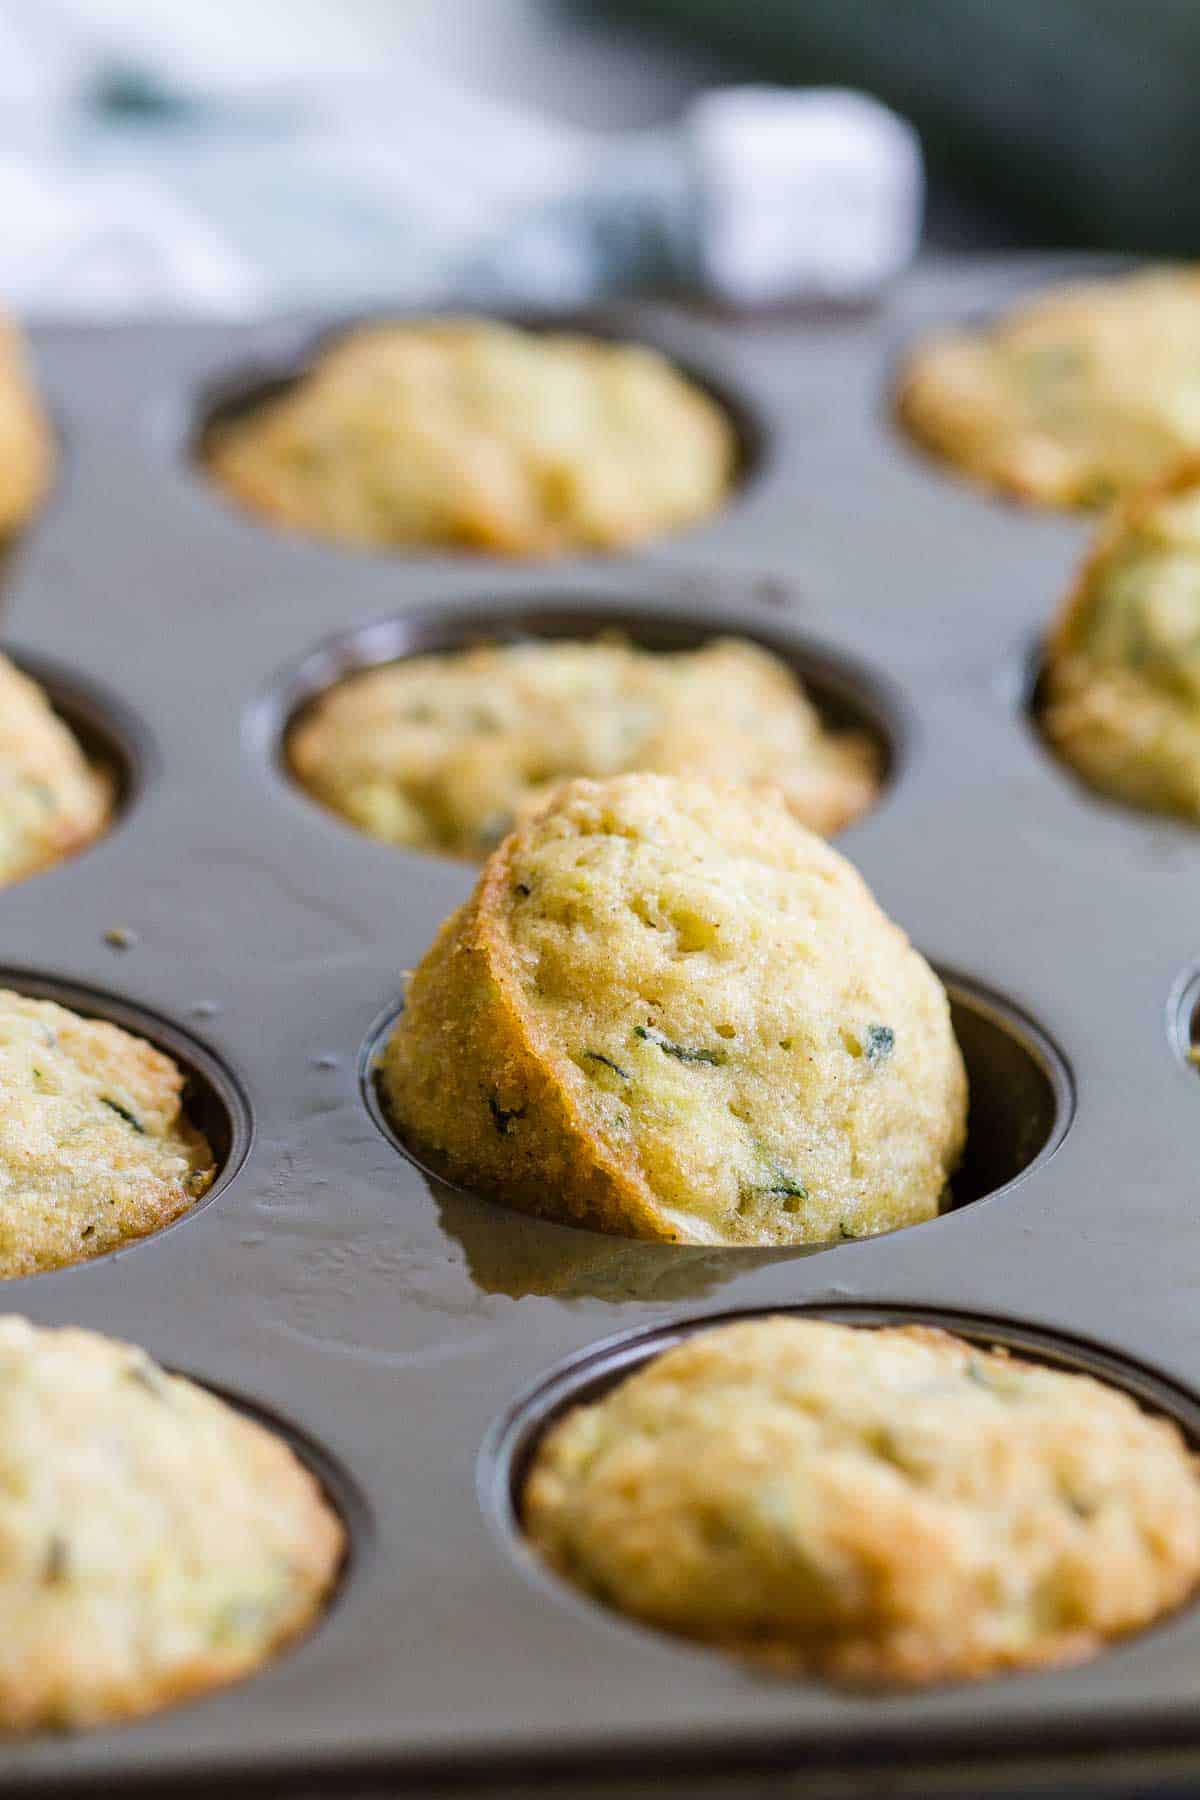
{"x": 413, "y": 1339}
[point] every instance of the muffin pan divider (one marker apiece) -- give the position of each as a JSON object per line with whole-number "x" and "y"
{"x": 393, "y": 1324}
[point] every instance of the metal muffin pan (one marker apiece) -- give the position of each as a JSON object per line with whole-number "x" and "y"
{"x": 404, "y": 1331}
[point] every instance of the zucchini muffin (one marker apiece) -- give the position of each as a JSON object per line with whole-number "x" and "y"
{"x": 1073, "y": 398}
{"x": 669, "y": 1011}
{"x": 25, "y": 443}
{"x": 876, "y": 1506}
{"x": 52, "y": 801}
{"x": 444, "y": 753}
{"x": 1121, "y": 698}
{"x": 154, "y": 1542}
{"x": 470, "y": 433}
{"x": 95, "y": 1147}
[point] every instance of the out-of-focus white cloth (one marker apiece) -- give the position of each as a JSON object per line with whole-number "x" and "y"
{"x": 158, "y": 158}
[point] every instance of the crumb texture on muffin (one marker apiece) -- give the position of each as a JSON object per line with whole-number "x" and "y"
{"x": 1122, "y": 674}
{"x": 670, "y": 1011}
{"x": 473, "y": 433}
{"x": 25, "y": 443}
{"x": 95, "y": 1147}
{"x": 154, "y": 1542}
{"x": 445, "y": 752}
{"x": 1072, "y": 398}
{"x": 52, "y": 801}
{"x": 877, "y": 1506}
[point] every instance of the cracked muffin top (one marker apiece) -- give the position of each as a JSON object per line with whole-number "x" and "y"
{"x": 154, "y": 1542}
{"x": 670, "y": 1011}
{"x": 95, "y": 1147}
{"x": 878, "y": 1506}
{"x": 1072, "y": 398}
{"x": 444, "y": 753}
{"x": 474, "y": 434}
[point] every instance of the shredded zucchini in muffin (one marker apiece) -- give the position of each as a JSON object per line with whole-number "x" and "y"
{"x": 878, "y": 1506}
{"x": 472, "y": 433}
{"x": 154, "y": 1542}
{"x": 1122, "y": 679}
{"x": 52, "y": 802}
{"x": 95, "y": 1147}
{"x": 670, "y": 1011}
{"x": 26, "y": 454}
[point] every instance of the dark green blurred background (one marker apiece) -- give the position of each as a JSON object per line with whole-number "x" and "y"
{"x": 1067, "y": 122}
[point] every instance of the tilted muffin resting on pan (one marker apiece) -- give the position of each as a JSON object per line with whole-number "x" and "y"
{"x": 95, "y": 1147}
{"x": 1122, "y": 675}
{"x": 887, "y": 1506}
{"x": 25, "y": 444}
{"x": 446, "y": 752}
{"x": 472, "y": 433}
{"x": 52, "y": 801}
{"x": 154, "y": 1542}
{"x": 1072, "y": 398}
{"x": 670, "y": 1011}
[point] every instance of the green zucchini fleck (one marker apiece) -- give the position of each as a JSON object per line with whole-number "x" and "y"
{"x": 596, "y": 1057}
{"x": 501, "y": 1118}
{"x": 1004, "y": 1385}
{"x": 844, "y": 1231}
{"x": 57, "y": 1562}
{"x": 715, "y": 1058}
{"x": 123, "y": 1112}
{"x": 788, "y": 1187}
{"x": 239, "y": 1618}
{"x": 881, "y": 1041}
{"x": 147, "y": 1376}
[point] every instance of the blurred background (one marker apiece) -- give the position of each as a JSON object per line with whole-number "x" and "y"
{"x": 160, "y": 155}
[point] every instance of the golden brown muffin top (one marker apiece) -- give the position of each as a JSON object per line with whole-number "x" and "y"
{"x": 445, "y": 752}
{"x": 669, "y": 1010}
{"x": 52, "y": 801}
{"x": 878, "y": 1506}
{"x": 154, "y": 1542}
{"x": 95, "y": 1147}
{"x": 26, "y": 450}
{"x": 472, "y": 433}
{"x": 1072, "y": 398}
{"x": 1122, "y": 679}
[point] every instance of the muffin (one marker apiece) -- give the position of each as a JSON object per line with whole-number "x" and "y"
{"x": 443, "y": 753}
{"x": 95, "y": 1147}
{"x": 469, "y": 433}
{"x": 669, "y": 1011}
{"x": 25, "y": 444}
{"x": 52, "y": 801}
{"x": 155, "y": 1542}
{"x": 1073, "y": 398}
{"x": 888, "y": 1506}
{"x": 1121, "y": 689}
